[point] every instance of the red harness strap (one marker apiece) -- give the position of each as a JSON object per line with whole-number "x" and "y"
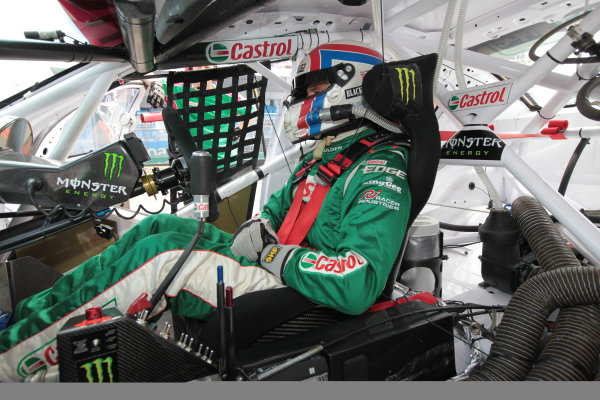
{"x": 301, "y": 216}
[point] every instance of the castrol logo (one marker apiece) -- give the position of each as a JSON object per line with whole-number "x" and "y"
{"x": 338, "y": 266}
{"x": 251, "y": 50}
{"x": 491, "y": 96}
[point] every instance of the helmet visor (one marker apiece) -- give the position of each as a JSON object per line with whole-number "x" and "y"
{"x": 302, "y": 84}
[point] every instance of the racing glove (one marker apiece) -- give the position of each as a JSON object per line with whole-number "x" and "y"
{"x": 252, "y": 237}
{"x": 274, "y": 257}
{"x": 156, "y": 95}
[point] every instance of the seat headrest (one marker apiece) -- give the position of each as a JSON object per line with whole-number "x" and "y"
{"x": 402, "y": 91}
{"x": 398, "y": 89}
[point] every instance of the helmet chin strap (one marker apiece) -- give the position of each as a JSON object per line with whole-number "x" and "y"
{"x": 318, "y": 152}
{"x": 328, "y": 140}
{"x": 349, "y": 133}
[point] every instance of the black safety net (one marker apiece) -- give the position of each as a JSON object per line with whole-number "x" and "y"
{"x": 223, "y": 109}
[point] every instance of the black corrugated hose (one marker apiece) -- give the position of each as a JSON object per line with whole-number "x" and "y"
{"x": 546, "y": 242}
{"x": 572, "y": 351}
{"x": 519, "y": 333}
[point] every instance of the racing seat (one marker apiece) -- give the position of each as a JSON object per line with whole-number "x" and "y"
{"x": 264, "y": 316}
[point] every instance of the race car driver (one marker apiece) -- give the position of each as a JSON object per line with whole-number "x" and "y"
{"x": 334, "y": 242}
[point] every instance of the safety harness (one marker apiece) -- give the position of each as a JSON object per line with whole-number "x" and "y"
{"x": 301, "y": 216}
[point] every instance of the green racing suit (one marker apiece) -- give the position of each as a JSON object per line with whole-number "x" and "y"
{"x": 351, "y": 248}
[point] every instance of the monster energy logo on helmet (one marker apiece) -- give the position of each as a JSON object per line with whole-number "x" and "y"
{"x": 110, "y": 163}
{"x": 407, "y": 84}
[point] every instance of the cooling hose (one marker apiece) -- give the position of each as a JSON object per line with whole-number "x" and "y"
{"x": 544, "y": 239}
{"x": 572, "y": 351}
{"x": 518, "y": 337}
{"x": 459, "y": 228}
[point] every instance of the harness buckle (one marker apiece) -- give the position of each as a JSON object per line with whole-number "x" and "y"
{"x": 303, "y": 173}
{"x": 326, "y": 175}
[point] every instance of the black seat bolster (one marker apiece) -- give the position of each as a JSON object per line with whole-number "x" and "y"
{"x": 28, "y": 276}
{"x": 256, "y": 313}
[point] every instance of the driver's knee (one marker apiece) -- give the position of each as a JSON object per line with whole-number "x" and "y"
{"x": 159, "y": 223}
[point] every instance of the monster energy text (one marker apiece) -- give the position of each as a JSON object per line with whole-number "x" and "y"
{"x": 88, "y": 188}
{"x": 409, "y": 74}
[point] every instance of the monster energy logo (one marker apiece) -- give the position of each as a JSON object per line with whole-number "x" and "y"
{"x": 112, "y": 164}
{"x": 409, "y": 74}
{"x": 98, "y": 365}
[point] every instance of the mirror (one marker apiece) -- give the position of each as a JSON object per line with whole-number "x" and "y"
{"x": 15, "y": 134}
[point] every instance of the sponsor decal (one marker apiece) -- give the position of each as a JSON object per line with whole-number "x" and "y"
{"x": 89, "y": 188}
{"x": 201, "y": 207}
{"x": 45, "y": 355}
{"x": 32, "y": 365}
{"x": 353, "y": 92}
{"x": 113, "y": 166}
{"x": 370, "y": 194}
{"x": 308, "y": 190}
{"x": 337, "y": 266}
{"x": 99, "y": 370}
{"x": 300, "y": 133}
{"x": 378, "y": 162}
{"x": 309, "y": 187}
{"x": 250, "y": 50}
{"x": 374, "y": 197}
{"x": 408, "y": 87}
{"x": 478, "y": 98}
{"x": 80, "y": 346}
{"x": 372, "y": 169}
{"x": 388, "y": 184}
{"x": 475, "y": 142}
{"x": 219, "y": 52}
{"x": 51, "y": 355}
{"x": 453, "y": 103}
{"x": 272, "y": 253}
{"x": 474, "y": 145}
{"x": 39, "y": 359}
{"x": 332, "y": 149}
{"x": 87, "y": 322}
{"x": 110, "y": 163}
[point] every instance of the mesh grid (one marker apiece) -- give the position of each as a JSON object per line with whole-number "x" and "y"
{"x": 227, "y": 106}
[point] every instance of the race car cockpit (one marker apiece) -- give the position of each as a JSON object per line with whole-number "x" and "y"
{"x": 240, "y": 355}
{"x": 212, "y": 87}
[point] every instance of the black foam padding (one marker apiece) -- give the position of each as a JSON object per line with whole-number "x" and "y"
{"x": 422, "y": 126}
{"x": 381, "y": 91}
{"x": 394, "y": 89}
{"x": 384, "y": 89}
{"x": 28, "y": 276}
{"x": 179, "y": 132}
{"x": 239, "y": 133}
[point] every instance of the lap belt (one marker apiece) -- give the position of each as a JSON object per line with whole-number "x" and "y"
{"x": 301, "y": 216}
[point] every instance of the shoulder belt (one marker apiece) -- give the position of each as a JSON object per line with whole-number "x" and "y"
{"x": 301, "y": 216}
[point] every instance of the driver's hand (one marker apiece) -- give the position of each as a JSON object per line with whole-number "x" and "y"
{"x": 156, "y": 95}
{"x": 251, "y": 238}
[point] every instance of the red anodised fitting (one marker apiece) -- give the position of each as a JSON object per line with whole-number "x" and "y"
{"x": 93, "y": 313}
